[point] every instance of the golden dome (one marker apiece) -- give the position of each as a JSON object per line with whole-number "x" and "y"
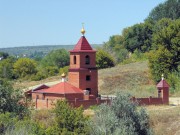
{"x": 83, "y": 31}
{"x": 63, "y": 75}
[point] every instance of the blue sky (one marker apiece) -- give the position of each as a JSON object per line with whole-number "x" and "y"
{"x": 58, "y": 22}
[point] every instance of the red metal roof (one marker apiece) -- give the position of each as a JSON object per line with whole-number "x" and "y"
{"x": 61, "y": 88}
{"x": 82, "y": 45}
{"x": 162, "y": 84}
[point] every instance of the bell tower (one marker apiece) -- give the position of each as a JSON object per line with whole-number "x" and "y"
{"x": 82, "y": 71}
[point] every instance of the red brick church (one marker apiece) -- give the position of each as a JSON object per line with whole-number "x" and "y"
{"x": 82, "y": 85}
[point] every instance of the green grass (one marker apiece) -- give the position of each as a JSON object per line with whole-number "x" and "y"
{"x": 165, "y": 121}
{"x": 133, "y": 78}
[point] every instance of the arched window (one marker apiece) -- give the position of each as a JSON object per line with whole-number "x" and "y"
{"x": 74, "y": 59}
{"x": 87, "y": 59}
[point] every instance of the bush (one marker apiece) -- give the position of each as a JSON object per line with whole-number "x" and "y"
{"x": 104, "y": 60}
{"x": 10, "y": 99}
{"x": 44, "y": 72}
{"x": 24, "y": 67}
{"x": 70, "y": 120}
{"x": 45, "y": 117}
{"x": 56, "y": 58}
{"x": 51, "y": 70}
{"x": 122, "y": 117}
{"x": 174, "y": 81}
{"x": 39, "y": 76}
{"x": 7, "y": 120}
{"x": 25, "y": 127}
{"x": 137, "y": 56}
{"x": 121, "y": 55}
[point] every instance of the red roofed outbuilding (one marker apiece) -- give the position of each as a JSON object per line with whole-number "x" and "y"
{"x": 163, "y": 90}
{"x": 62, "y": 90}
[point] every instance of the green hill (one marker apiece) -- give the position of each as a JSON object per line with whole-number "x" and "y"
{"x": 133, "y": 78}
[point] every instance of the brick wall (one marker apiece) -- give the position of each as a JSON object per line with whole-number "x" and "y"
{"x": 48, "y": 104}
{"x": 149, "y": 101}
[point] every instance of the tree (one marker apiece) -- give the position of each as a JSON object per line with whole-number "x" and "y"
{"x": 115, "y": 43}
{"x": 58, "y": 58}
{"x": 168, "y": 9}
{"x": 6, "y": 68}
{"x": 37, "y": 55}
{"x": 166, "y": 42}
{"x": 116, "y": 48}
{"x": 9, "y": 99}
{"x": 122, "y": 117}
{"x": 138, "y": 36}
{"x": 104, "y": 59}
{"x": 24, "y": 66}
{"x": 70, "y": 120}
{"x": 3, "y": 55}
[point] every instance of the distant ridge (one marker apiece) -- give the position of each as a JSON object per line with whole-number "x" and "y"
{"x": 29, "y": 50}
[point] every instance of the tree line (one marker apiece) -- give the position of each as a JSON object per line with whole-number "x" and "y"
{"x": 157, "y": 40}
{"x": 55, "y": 62}
{"x": 26, "y": 68}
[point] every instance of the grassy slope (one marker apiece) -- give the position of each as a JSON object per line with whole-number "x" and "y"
{"x": 133, "y": 78}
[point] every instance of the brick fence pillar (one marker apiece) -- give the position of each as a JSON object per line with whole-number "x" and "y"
{"x": 150, "y": 100}
{"x": 97, "y": 100}
{"x": 76, "y": 102}
{"x": 36, "y": 103}
{"x": 47, "y": 103}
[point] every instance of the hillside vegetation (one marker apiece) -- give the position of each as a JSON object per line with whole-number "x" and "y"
{"x": 133, "y": 78}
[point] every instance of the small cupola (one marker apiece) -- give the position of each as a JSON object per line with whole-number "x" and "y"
{"x": 162, "y": 84}
{"x": 63, "y": 76}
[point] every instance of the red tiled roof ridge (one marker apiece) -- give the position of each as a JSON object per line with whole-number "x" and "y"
{"x": 61, "y": 88}
{"x": 162, "y": 84}
{"x": 82, "y": 45}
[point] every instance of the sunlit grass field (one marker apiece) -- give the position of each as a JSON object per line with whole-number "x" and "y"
{"x": 133, "y": 78}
